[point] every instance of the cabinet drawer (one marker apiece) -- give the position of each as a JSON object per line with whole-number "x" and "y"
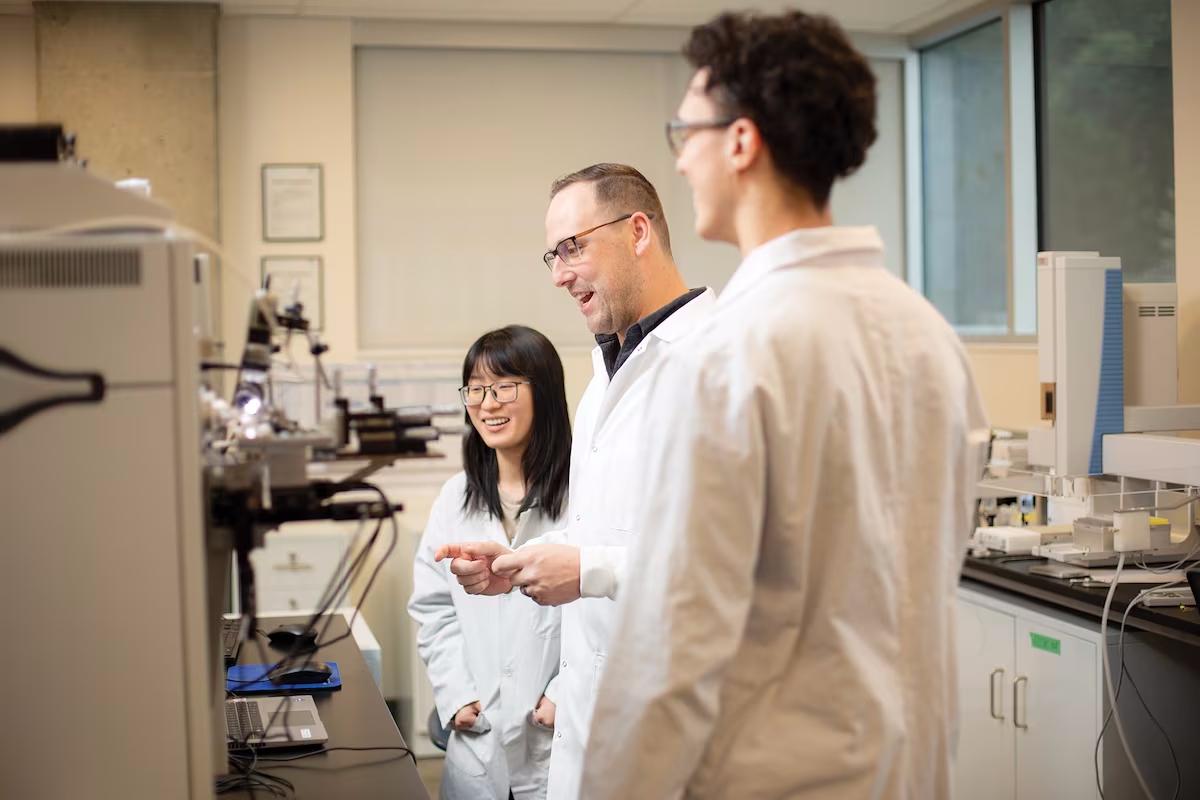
{"x": 282, "y": 598}
{"x": 298, "y": 560}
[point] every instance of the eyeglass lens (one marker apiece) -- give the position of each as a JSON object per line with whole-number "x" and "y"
{"x": 503, "y": 392}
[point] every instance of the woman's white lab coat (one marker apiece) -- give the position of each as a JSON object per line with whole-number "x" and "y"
{"x": 501, "y": 651}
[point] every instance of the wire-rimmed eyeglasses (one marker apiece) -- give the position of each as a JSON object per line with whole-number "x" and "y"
{"x": 503, "y": 391}
{"x": 679, "y": 130}
{"x": 568, "y": 249}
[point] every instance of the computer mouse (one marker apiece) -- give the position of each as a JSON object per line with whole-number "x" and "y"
{"x": 312, "y": 672}
{"x": 293, "y": 637}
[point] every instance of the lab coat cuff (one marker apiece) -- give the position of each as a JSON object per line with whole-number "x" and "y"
{"x": 450, "y": 702}
{"x": 599, "y": 570}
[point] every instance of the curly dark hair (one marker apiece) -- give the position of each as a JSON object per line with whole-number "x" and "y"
{"x": 798, "y": 78}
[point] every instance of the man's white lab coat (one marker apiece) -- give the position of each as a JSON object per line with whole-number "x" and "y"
{"x": 786, "y": 628}
{"x": 606, "y": 455}
{"x": 501, "y": 651}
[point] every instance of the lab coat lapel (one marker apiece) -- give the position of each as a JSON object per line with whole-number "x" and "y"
{"x": 617, "y": 386}
{"x": 646, "y": 354}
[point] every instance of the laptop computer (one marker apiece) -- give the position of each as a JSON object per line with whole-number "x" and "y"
{"x": 259, "y": 722}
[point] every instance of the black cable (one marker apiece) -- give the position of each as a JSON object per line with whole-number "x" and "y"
{"x": 335, "y": 591}
{"x": 1124, "y": 672}
{"x": 403, "y": 750}
{"x": 248, "y": 778}
{"x": 327, "y": 596}
{"x": 1170, "y": 747}
{"x": 378, "y": 567}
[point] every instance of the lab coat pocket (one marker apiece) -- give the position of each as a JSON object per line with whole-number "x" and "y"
{"x": 538, "y": 739}
{"x": 466, "y": 751}
{"x": 547, "y": 622}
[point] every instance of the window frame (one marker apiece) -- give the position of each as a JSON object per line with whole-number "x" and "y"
{"x": 1022, "y": 190}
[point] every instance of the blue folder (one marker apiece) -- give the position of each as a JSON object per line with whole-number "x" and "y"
{"x": 251, "y": 679}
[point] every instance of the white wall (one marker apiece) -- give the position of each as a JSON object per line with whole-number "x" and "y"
{"x": 18, "y": 69}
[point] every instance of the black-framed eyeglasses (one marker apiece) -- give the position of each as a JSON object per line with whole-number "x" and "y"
{"x": 503, "y": 391}
{"x": 679, "y": 130}
{"x": 568, "y": 249}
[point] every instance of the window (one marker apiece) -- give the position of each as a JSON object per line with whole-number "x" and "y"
{"x": 964, "y": 179}
{"x": 1105, "y": 160}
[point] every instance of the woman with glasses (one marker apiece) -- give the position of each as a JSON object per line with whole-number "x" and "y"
{"x": 492, "y": 664}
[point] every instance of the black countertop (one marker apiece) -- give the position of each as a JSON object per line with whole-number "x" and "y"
{"x": 1011, "y": 573}
{"x": 354, "y": 716}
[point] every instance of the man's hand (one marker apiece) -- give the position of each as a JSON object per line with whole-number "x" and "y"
{"x": 544, "y": 713}
{"x": 548, "y": 574}
{"x": 466, "y": 716}
{"x": 472, "y": 565}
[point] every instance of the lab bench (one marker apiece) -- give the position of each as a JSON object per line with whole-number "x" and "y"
{"x": 1031, "y": 692}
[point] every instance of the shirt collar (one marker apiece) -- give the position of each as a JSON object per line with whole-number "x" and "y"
{"x": 834, "y": 245}
{"x": 682, "y": 320}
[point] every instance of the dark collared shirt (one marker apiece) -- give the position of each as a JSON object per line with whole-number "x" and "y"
{"x": 615, "y": 354}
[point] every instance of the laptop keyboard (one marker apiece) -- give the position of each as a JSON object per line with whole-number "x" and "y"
{"x": 230, "y": 644}
{"x": 242, "y": 720}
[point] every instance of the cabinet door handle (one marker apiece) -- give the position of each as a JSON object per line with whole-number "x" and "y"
{"x": 998, "y": 671}
{"x": 1019, "y": 718}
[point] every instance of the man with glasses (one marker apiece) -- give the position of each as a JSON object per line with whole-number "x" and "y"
{"x": 609, "y": 248}
{"x": 787, "y": 626}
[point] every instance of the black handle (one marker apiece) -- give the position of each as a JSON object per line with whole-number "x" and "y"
{"x": 12, "y": 417}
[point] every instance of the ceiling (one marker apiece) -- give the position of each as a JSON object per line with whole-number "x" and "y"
{"x": 867, "y": 16}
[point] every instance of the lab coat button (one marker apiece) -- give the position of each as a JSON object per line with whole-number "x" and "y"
{"x": 595, "y": 449}
{"x": 578, "y": 517}
{"x": 564, "y": 664}
{"x": 558, "y": 735}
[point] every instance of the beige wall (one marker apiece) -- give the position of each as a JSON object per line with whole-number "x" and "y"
{"x": 1008, "y": 380}
{"x": 137, "y": 84}
{"x": 286, "y": 94}
{"x": 18, "y": 70}
{"x": 1185, "y": 54}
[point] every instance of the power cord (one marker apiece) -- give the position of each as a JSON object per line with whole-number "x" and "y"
{"x": 1108, "y": 682}
{"x": 1125, "y": 673}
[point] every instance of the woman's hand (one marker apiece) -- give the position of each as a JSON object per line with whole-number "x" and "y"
{"x": 465, "y": 717}
{"x": 471, "y": 564}
{"x": 543, "y": 714}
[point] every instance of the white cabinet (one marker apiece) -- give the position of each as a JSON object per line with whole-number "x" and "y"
{"x": 1030, "y": 701}
{"x": 986, "y": 664}
{"x": 296, "y": 564}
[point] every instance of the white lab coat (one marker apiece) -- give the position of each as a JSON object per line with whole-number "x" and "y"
{"x": 501, "y": 651}
{"x": 605, "y": 453}
{"x": 787, "y": 626}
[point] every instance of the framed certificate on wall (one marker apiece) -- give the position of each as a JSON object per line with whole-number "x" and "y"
{"x": 293, "y": 203}
{"x": 298, "y": 278}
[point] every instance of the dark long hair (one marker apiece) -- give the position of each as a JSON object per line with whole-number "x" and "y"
{"x": 521, "y": 352}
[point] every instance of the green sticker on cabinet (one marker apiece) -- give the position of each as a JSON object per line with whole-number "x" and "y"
{"x": 1047, "y": 643}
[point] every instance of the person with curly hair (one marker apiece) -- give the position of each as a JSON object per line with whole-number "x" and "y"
{"x": 787, "y": 629}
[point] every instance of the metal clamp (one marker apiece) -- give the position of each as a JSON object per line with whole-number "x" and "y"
{"x": 992, "y": 694}
{"x": 1019, "y": 705}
